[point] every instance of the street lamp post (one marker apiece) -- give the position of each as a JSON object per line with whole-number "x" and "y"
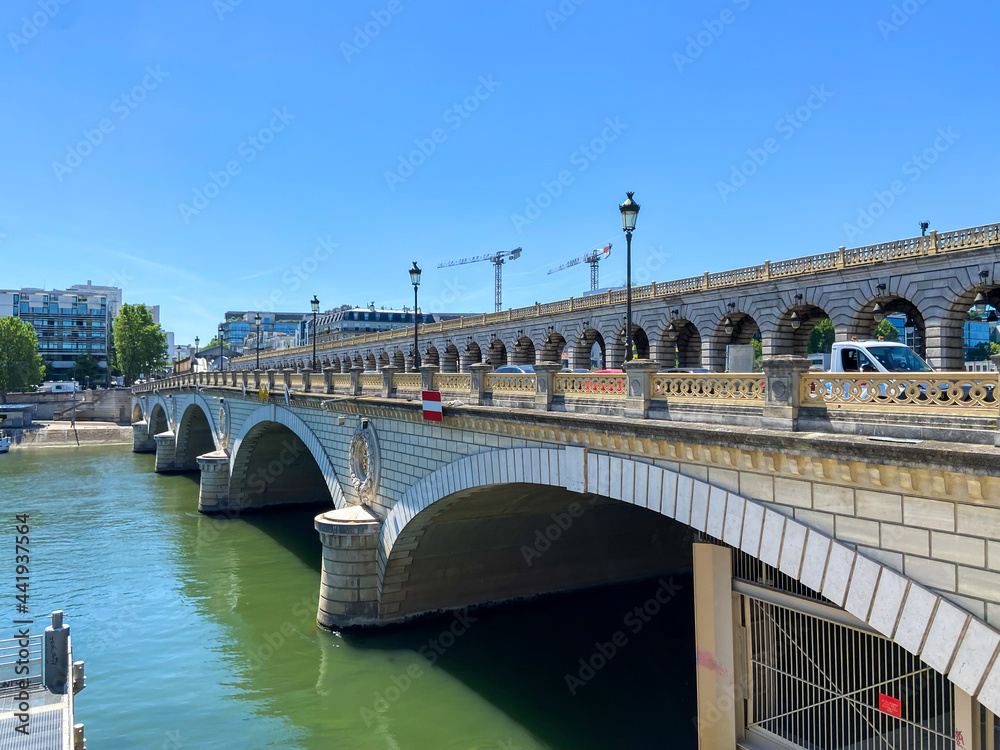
{"x": 415, "y": 280}
{"x": 177, "y": 363}
{"x": 630, "y": 210}
{"x": 197, "y": 342}
{"x": 315, "y": 309}
{"x": 222, "y": 359}
{"x": 256, "y": 320}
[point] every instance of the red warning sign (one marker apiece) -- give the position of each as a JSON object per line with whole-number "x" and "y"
{"x": 889, "y": 705}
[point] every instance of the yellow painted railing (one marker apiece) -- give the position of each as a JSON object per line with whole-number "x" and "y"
{"x": 959, "y": 393}
{"x": 510, "y": 383}
{"x": 452, "y": 381}
{"x": 341, "y": 381}
{"x": 708, "y": 386}
{"x": 590, "y": 385}
{"x": 959, "y": 239}
{"x": 407, "y": 381}
{"x": 371, "y": 379}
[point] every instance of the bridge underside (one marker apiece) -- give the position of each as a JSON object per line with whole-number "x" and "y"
{"x": 494, "y": 544}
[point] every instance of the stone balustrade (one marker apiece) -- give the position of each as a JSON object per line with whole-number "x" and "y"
{"x": 959, "y": 407}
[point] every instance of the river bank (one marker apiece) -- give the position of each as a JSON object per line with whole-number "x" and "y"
{"x": 63, "y": 434}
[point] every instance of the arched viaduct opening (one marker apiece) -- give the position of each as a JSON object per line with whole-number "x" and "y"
{"x": 681, "y": 345}
{"x": 194, "y": 438}
{"x": 136, "y": 412}
{"x": 273, "y": 466}
{"x": 511, "y": 541}
{"x": 158, "y": 420}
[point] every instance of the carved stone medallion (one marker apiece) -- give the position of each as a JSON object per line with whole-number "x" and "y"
{"x": 365, "y": 461}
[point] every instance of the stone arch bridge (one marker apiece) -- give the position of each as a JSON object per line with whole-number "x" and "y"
{"x": 897, "y": 539}
{"x": 687, "y": 323}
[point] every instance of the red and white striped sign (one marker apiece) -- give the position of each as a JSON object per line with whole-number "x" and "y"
{"x": 432, "y": 405}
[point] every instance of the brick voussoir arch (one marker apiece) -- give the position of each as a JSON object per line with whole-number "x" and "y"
{"x": 283, "y": 416}
{"x": 946, "y": 637}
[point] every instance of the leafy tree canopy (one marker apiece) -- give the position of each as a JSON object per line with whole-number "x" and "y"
{"x": 139, "y": 342}
{"x": 86, "y": 368}
{"x": 822, "y": 337}
{"x": 20, "y": 363}
{"x": 887, "y": 331}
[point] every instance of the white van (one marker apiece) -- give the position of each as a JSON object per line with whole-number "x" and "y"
{"x": 59, "y": 386}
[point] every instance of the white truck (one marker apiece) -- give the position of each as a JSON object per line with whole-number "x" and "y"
{"x": 889, "y": 357}
{"x": 875, "y": 356}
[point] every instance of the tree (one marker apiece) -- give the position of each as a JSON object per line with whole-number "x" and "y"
{"x": 139, "y": 342}
{"x": 86, "y": 369}
{"x": 822, "y": 337}
{"x": 886, "y": 331}
{"x": 20, "y": 363}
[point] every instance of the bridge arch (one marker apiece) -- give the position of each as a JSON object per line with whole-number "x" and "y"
{"x": 472, "y": 355}
{"x": 137, "y": 415}
{"x": 196, "y": 434}
{"x": 524, "y": 351}
{"x": 552, "y": 347}
{"x": 680, "y": 344}
{"x": 947, "y": 638}
{"x": 583, "y": 349}
{"x": 159, "y": 422}
{"x": 277, "y": 459}
{"x": 399, "y": 360}
{"x": 640, "y": 340}
{"x": 496, "y": 353}
{"x": 449, "y": 361}
{"x": 792, "y": 329}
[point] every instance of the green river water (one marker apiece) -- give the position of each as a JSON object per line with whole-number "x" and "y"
{"x": 200, "y": 633}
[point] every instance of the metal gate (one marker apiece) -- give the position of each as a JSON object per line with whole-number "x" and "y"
{"x": 822, "y": 685}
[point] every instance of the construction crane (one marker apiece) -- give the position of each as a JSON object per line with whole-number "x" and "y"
{"x": 593, "y": 258}
{"x": 497, "y": 259}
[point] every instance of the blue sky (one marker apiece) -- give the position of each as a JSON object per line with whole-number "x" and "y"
{"x": 748, "y": 131}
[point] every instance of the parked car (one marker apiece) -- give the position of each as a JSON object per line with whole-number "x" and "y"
{"x": 515, "y": 370}
{"x": 685, "y": 370}
{"x": 577, "y": 371}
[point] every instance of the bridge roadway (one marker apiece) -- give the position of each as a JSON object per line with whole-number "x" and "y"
{"x": 548, "y": 482}
{"x": 933, "y": 280}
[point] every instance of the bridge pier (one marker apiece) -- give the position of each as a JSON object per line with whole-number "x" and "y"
{"x": 715, "y": 671}
{"x": 213, "y": 488}
{"x": 348, "y": 594}
{"x": 141, "y": 440}
{"x": 166, "y": 453}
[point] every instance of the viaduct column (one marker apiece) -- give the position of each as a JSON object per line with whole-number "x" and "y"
{"x": 142, "y": 442}
{"x": 165, "y": 452}
{"x": 348, "y": 592}
{"x": 213, "y": 489}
